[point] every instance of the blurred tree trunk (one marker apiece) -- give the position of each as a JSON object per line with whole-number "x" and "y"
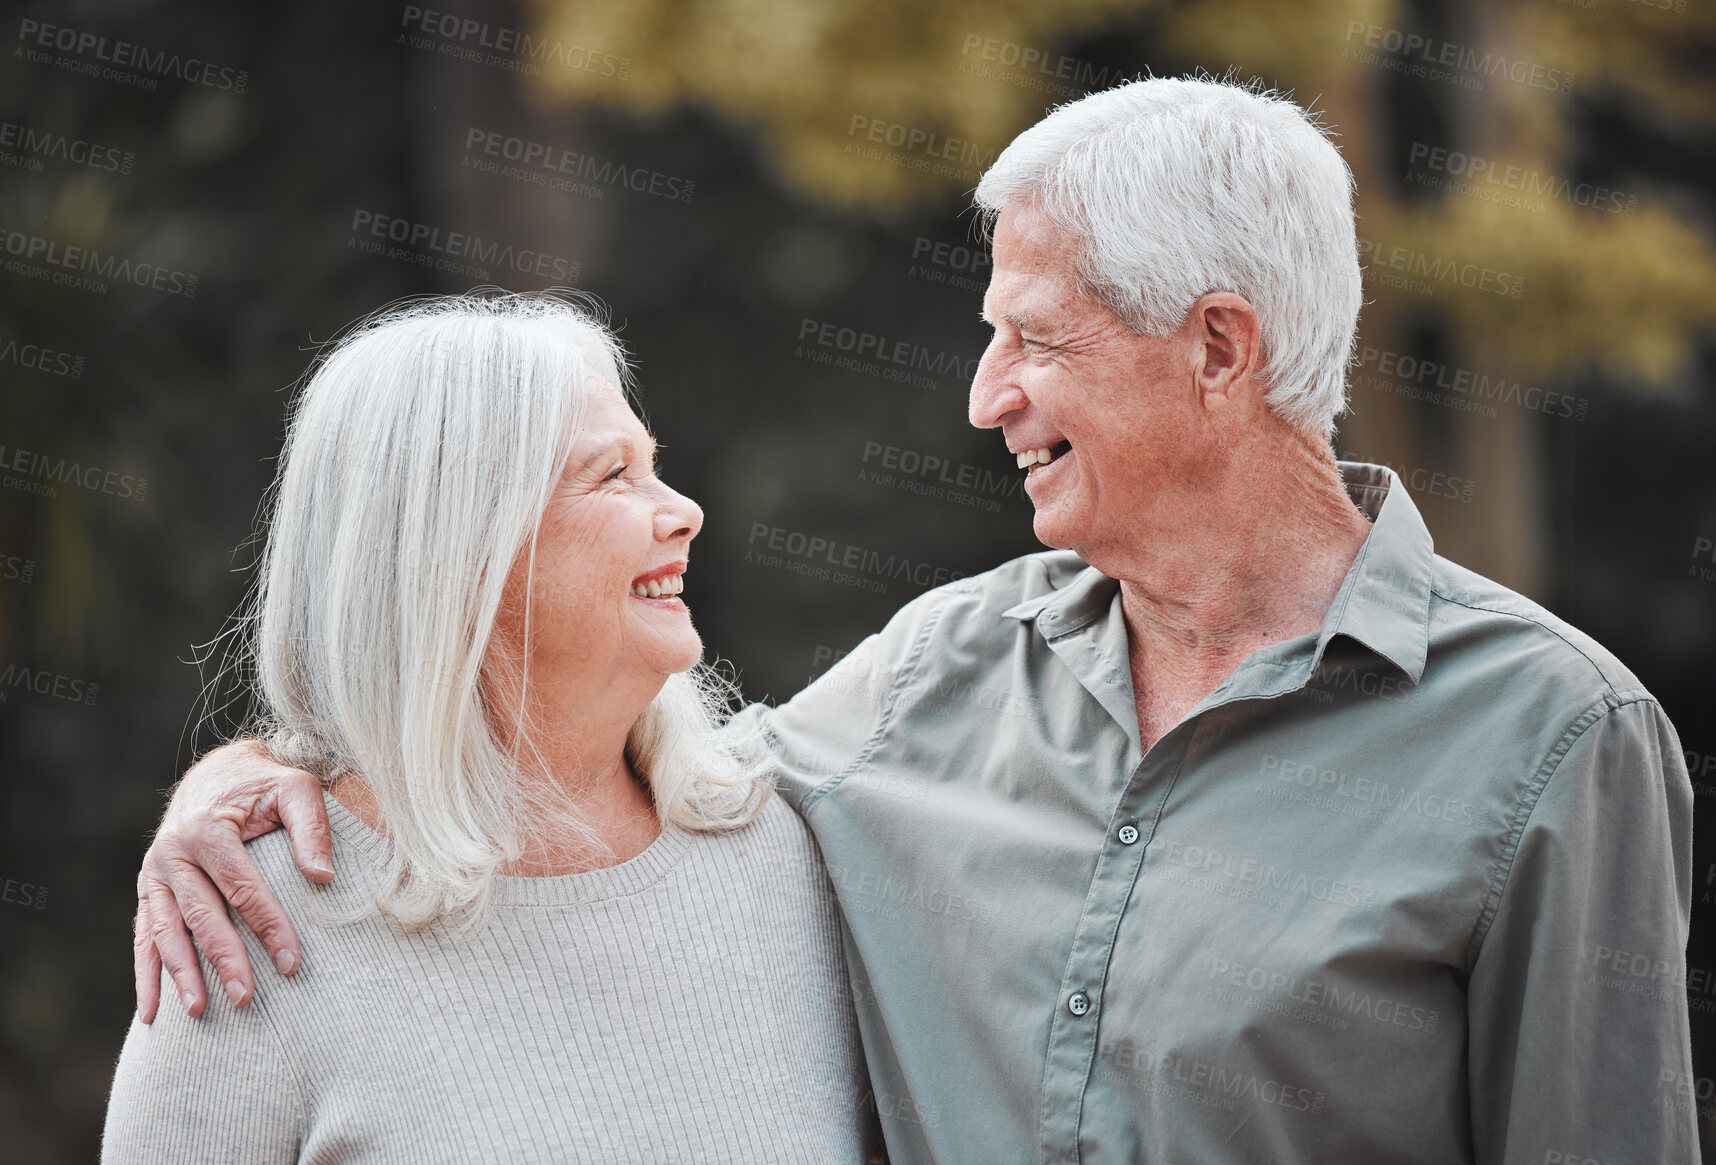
{"x": 1381, "y": 115}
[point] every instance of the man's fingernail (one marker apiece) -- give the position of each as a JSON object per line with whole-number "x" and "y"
{"x": 188, "y": 1000}
{"x": 235, "y": 991}
{"x": 285, "y": 960}
{"x": 321, "y": 865}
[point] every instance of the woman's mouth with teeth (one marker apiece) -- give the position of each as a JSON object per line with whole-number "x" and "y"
{"x": 660, "y": 588}
{"x": 1043, "y": 456}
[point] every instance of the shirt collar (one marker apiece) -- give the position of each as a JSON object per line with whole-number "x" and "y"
{"x": 1383, "y": 603}
{"x": 1088, "y": 597}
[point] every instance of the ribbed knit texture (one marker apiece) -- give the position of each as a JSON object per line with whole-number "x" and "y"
{"x": 688, "y": 1005}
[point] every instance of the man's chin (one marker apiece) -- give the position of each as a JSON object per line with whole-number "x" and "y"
{"x": 1054, "y": 530}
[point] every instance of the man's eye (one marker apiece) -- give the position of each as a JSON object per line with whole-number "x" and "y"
{"x": 612, "y": 476}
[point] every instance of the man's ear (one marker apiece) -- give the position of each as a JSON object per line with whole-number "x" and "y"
{"x": 1228, "y": 336}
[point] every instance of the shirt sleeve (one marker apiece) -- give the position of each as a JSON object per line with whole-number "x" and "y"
{"x": 215, "y": 1089}
{"x": 1580, "y": 1044}
{"x": 817, "y": 735}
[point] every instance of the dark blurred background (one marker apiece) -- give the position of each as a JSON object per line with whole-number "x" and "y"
{"x": 193, "y": 195}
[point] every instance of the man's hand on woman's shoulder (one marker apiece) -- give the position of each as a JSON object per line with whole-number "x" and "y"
{"x": 197, "y": 864}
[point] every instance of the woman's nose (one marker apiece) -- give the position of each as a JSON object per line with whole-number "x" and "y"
{"x": 677, "y": 517}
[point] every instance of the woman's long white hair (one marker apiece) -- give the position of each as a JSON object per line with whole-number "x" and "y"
{"x": 419, "y": 458}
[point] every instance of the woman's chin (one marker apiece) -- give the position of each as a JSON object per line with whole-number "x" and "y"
{"x": 679, "y": 654}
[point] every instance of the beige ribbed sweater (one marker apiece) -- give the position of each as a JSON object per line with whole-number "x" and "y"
{"x": 689, "y": 1005}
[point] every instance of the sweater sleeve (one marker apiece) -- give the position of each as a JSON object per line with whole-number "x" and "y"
{"x": 218, "y": 1088}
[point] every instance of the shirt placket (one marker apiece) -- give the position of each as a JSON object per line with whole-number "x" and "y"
{"x": 1095, "y": 652}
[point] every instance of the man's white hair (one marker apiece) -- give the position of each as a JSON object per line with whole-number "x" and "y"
{"x": 1175, "y": 188}
{"x": 419, "y": 459}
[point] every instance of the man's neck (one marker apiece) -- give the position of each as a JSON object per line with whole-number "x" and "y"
{"x": 1262, "y": 565}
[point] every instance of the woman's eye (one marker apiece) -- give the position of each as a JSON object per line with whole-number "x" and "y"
{"x": 615, "y": 475}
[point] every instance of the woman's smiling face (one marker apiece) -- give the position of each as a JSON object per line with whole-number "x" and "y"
{"x": 610, "y": 554}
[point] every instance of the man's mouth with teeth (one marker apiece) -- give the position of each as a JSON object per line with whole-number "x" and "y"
{"x": 659, "y": 587}
{"x": 1032, "y": 457}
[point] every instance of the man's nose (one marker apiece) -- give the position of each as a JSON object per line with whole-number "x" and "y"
{"x": 994, "y": 391}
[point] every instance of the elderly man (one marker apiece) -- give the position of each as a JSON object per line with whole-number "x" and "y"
{"x": 1241, "y": 827}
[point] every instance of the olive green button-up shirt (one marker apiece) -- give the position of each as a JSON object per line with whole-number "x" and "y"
{"x": 1415, "y": 888}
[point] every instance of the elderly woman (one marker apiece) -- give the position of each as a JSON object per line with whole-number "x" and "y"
{"x": 567, "y": 926}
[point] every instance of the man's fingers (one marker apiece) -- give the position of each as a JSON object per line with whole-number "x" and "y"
{"x": 145, "y": 962}
{"x": 305, "y": 816}
{"x": 173, "y": 945}
{"x": 215, "y": 855}
{"x": 204, "y": 911}
{"x": 248, "y": 893}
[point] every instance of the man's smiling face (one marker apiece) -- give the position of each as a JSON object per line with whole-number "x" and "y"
{"x": 1118, "y": 412}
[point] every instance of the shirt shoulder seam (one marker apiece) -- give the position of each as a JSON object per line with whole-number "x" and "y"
{"x": 907, "y": 670}
{"x": 1602, "y": 675}
{"x": 1502, "y": 872}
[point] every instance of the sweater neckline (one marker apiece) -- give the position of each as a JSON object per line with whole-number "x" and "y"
{"x": 651, "y": 865}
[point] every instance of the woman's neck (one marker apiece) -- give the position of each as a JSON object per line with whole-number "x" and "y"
{"x": 607, "y": 798}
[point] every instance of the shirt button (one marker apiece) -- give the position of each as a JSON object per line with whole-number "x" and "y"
{"x": 1079, "y": 1003}
{"x": 1128, "y": 834}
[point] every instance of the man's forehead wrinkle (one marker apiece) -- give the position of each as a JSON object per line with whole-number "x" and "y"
{"x": 1009, "y": 291}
